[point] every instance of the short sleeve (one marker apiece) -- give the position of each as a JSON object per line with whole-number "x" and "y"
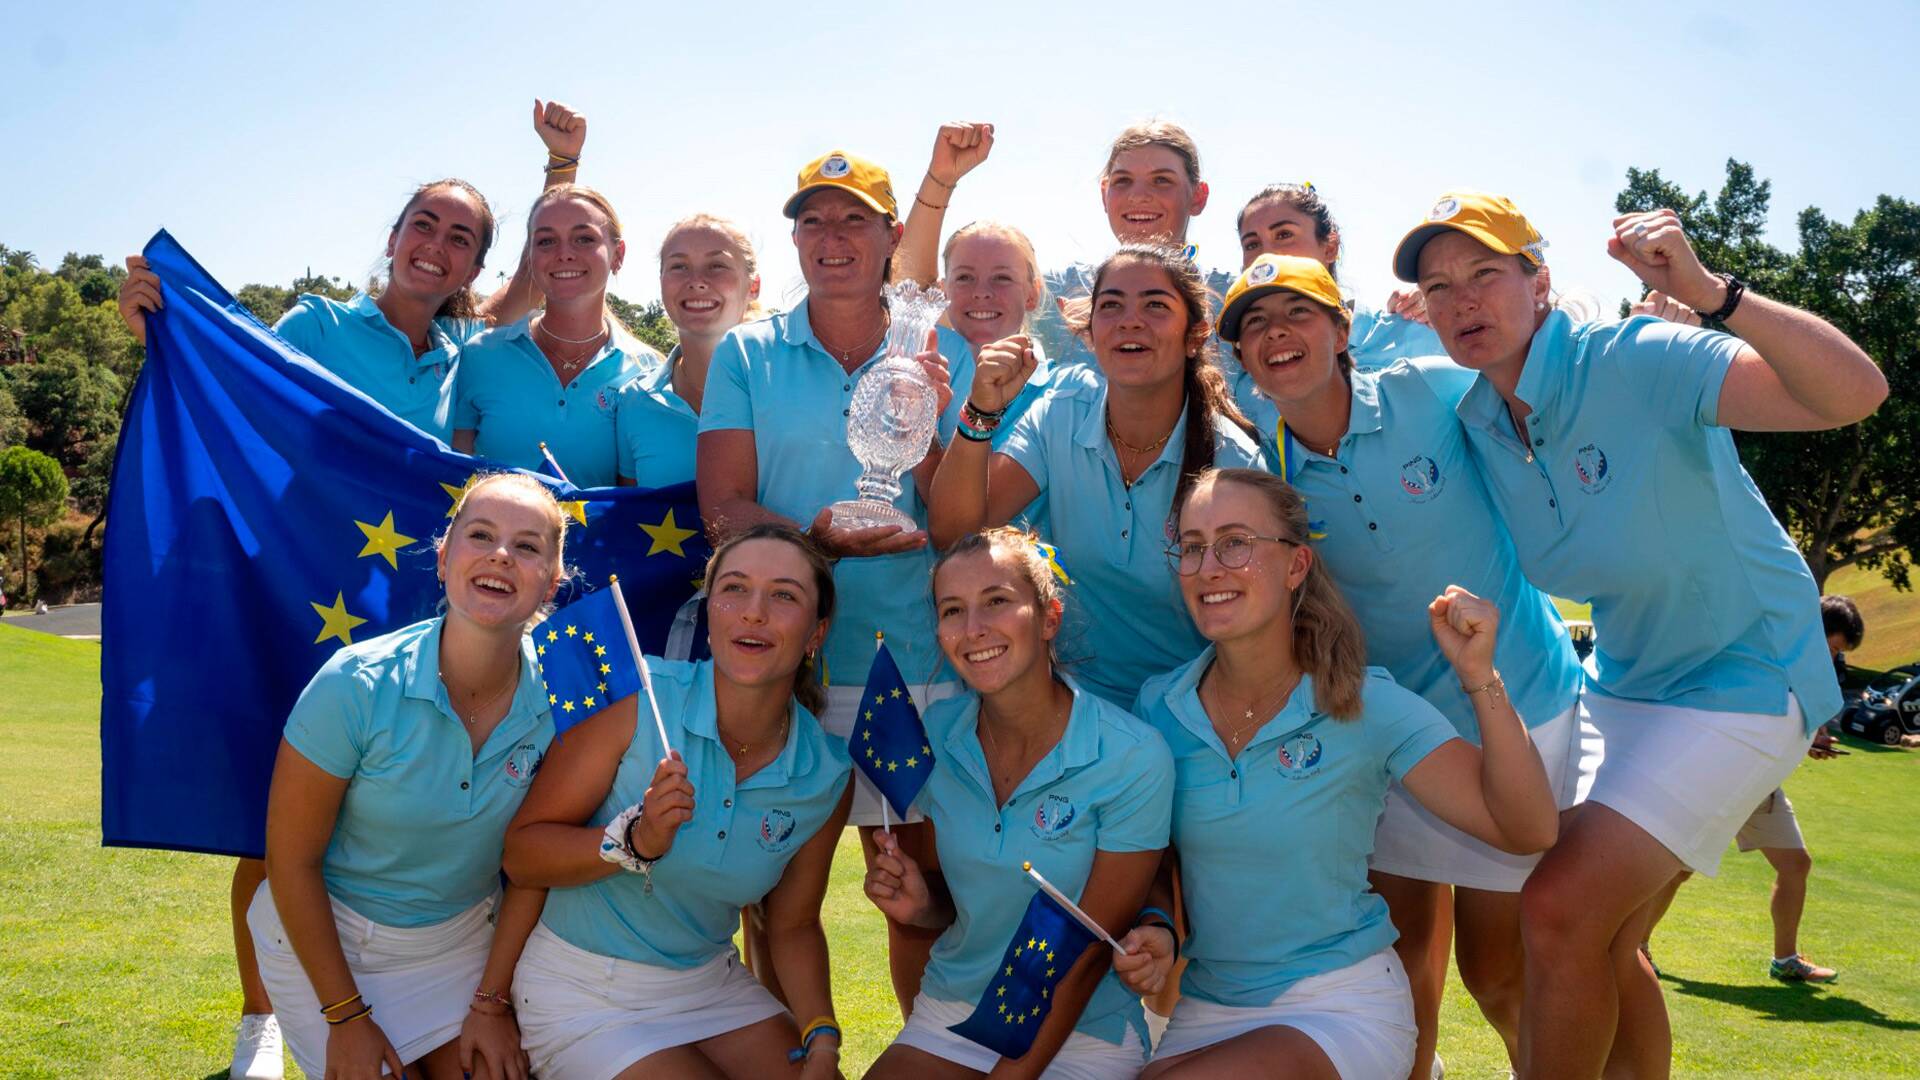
{"x": 1677, "y": 370}
{"x": 728, "y": 405}
{"x": 1401, "y": 725}
{"x": 1448, "y": 381}
{"x": 301, "y": 327}
{"x": 466, "y": 409}
{"x": 328, "y": 725}
{"x": 629, "y": 418}
{"x": 461, "y": 330}
{"x": 1025, "y": 442}
{"x": 1139, "y": 817}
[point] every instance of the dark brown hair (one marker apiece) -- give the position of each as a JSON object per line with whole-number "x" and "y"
{"x": 806, "y": 681}
{"x": 463, "y": 304}
{"x": 1208, "y": 399}
{"x": 1302, "y": 197}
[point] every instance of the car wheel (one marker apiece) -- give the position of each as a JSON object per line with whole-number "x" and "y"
{"x": 1890, "y": 735}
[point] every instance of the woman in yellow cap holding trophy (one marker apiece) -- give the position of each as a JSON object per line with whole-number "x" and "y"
{"x": 773, "y": 446}
{"x": 1399, "y": 514}
{"x": 1607, "y": 448}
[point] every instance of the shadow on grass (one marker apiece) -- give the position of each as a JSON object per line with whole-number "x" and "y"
{"x": 1779, "y": 1001}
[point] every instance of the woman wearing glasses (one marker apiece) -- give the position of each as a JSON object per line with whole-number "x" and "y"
{"x": 1400, "y": 513}
{"x": 1290, "y": 968}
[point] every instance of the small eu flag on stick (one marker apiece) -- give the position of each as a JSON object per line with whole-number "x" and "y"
{"x": 888, "y": 742}
{"x": 589, "y": 659}
{"x": 1045, "y": 946}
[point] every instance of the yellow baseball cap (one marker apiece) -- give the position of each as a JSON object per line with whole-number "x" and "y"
{"x": 1273, "y": 273}
{"x": 1491, "y": 219}
{"x": 839, "y": 169}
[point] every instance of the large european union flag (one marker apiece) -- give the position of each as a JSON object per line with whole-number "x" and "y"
{"x": 587, "y": 659}
{"x": 1044, "y": 948}
{"x": 888, "y": 742}
{"x": 262, "y": 515}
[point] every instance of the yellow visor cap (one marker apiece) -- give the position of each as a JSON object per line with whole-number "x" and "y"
{"x": 1276, "y": 273}
{"x": 838, "y": 169}
{"x": 1491, "y": 219}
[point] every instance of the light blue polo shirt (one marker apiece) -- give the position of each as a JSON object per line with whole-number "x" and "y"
{"x": 421, "y": 827}
{"x": 508, "y": 393}
{"x": 1399, "y": 515}
{"x": 1632, "y": 498}
{"x": 730, "y": 854}
{"x": 773, "y": 378}
{"x": 1274, "y": 841}
{"x": 657, "y": 429}
{"x": 1125, "y": 617}
{"x": 1107, "y": 785}
{"x": 355, "y": 341}
{"x": 1376, "y": 340}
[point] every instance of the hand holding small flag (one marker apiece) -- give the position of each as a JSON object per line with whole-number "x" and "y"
{"x": 667, "y": 805}
{"x": 1145, "y": 959}
{"x": 896, "y": 886}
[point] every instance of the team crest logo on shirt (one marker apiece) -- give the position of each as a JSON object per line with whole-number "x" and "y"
{"x": 1262, "y": 274}
{"x": 1053, "y": 817}
{"x": 602, "y": 402}
{"x": 1420, "y": 478}
{"x": 776, "y": 831}
{"x": 521, "y": 764}
{"x": 1590, "y": 465}
{"x": 1299, "y": 755}
{"x": 1444, "y": 209}
{"x": 835, "y": 167}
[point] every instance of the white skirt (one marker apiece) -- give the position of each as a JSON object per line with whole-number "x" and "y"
{"x": 1414, "y": 843}
{"x": 1361, "y": 1016}
{"x": 419, "y": 980}
{"x": 843, "y": 708}
{"x": 1689, "y": 777}
{"x": 1081, "y": 1057}
{"x": 584, "y": 1016}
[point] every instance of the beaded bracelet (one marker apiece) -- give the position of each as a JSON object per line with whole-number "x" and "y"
{"x": 928, "y": 205}
{"x": 491, "y": 998}
{"x": 939, "y": 181}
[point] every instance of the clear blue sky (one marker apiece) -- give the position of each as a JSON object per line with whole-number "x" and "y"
{"x": 272, "y": 142}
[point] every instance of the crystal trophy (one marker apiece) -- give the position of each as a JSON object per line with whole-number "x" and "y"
{"x": 894, "y": 414}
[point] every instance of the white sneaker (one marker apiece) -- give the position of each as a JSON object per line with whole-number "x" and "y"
{"x": 256, "y": 1049}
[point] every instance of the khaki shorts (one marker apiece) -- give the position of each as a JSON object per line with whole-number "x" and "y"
{"x": 1771, "y": 826}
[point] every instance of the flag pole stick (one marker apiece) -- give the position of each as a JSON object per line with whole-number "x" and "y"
{"x": 553, "y": 464}
{"x": 1072, "y": 908}
{"x": 639, "y": 658}
{"x": 886, "y": 823}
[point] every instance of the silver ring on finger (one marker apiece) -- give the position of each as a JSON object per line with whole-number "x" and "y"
{"x": 1640, "y": 229}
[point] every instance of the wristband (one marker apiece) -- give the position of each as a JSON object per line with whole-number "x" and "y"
{"x": 1735, "y": 290}
{"x": 616, "y": 846}
{"x": 939, "y": 181}
{"x": 329, "y": 1010}
{"x": 365, "y": 1010}
{"x": 1165, "y": 920}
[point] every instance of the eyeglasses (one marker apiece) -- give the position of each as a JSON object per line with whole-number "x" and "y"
{"x": 1232, "y": 551}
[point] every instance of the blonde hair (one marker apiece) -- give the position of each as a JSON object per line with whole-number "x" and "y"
{"x": 1000, "y": 230}
{"x": 1327, "y": 640}
{"x": 1164, "y": 133}
{"x": 736, "y": 236}
{"x": 550, "y": 509}
{"x": 1024, "y": 546}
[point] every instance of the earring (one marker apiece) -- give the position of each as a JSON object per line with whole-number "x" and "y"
{"x": 1541, "y": 306}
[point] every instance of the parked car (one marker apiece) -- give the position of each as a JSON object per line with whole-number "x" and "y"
{"x": 1887, "y": 709}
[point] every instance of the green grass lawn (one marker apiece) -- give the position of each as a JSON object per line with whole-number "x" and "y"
{"x": 117, "y": 963}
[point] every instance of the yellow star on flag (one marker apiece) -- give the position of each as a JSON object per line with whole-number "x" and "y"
{"x": 893, "y": 766}
{"x": 567, "y": 706}
{"x": 1001, "y": 992}
{"x": 1036, "y": 1010}
{"x": 1021, "y": 1019}
{"x": 869, "y": 751}
{"x": 606, "y": 669}
{"x": 455, "y": 494}
{"x": 896, "y": 691}
{"x": 588, "y": 702}
{"x": 599, "y": 650}
{"x": 1043, "y": 944}
{"x": 1009, "y": 969}
{"x": 1003, "y": 1005}
{"x": 913, "y": 762}
{"x": 588, "y": 638}
{"x": 603, "y": 687}
{"x": 1030, "y": 944}
{"x": 925, "y": 750}
{"x": 383, "y": 540}
{"x": 668, "y": 536}
{"x": 336, "y": 621}
{"x": 878, "y": 700}
{"x": 542, "y": 650}
{"x": 573, "y": 631}
{"x": 576, "y": 509}
{"x": 553, "y": 635}
{"x": 553, "y": 699}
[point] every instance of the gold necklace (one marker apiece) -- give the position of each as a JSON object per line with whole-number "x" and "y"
{"x": 1258, "y": 713}
{"x": 872, "y": 342}
{"x": 512, "y": 677}
{"x": 1129, "y": 447}
{"x": 740, "y": 751}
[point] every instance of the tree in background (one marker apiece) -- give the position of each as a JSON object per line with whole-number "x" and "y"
{"x": 269, "y": 302}
{"x": 33, "y": 492}
{"x": 648, "y": 322}
{"x": 1851, "y": 495}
